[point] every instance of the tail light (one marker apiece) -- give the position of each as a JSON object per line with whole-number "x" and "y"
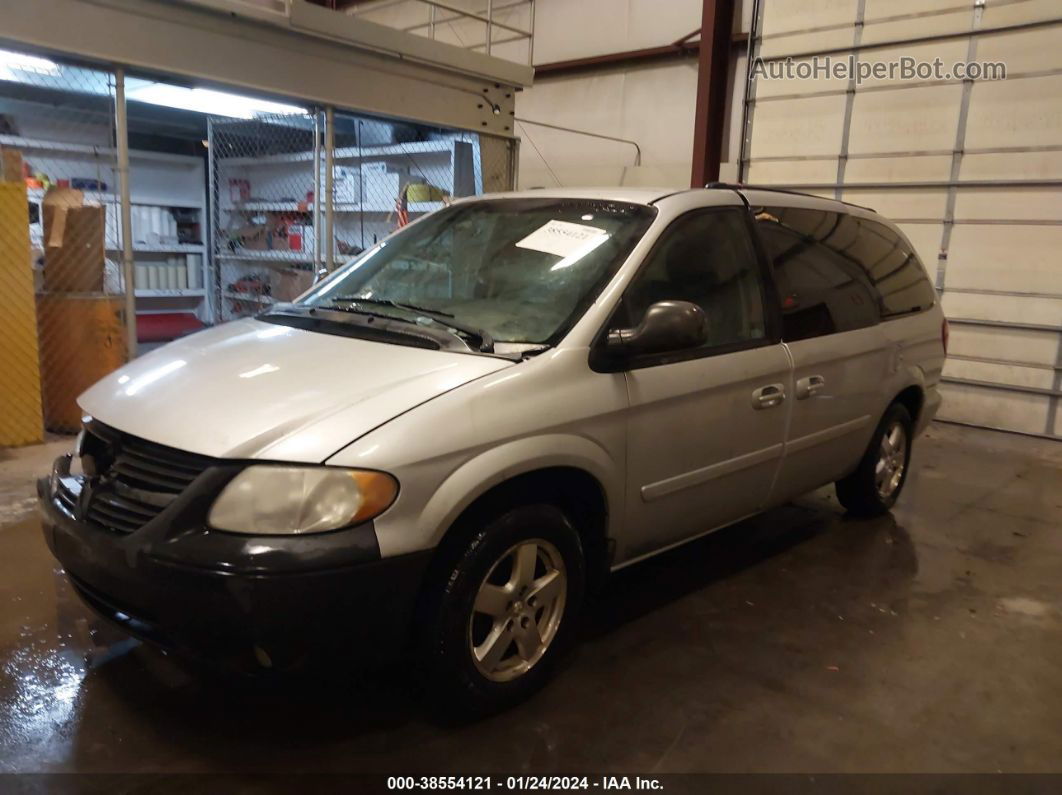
{"x": 944, "y": 335}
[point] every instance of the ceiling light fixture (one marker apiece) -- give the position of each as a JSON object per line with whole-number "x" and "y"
{"x": 205, "y": 100}
{"x": 17, "y": 61}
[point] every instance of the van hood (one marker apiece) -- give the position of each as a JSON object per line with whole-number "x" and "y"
{"x": 251, "y": 389}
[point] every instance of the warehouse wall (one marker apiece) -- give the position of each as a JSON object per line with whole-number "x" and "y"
{"x": 972, "y": 171}
{"x": 651, "y": 104}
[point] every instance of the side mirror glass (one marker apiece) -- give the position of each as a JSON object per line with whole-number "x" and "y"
{"x": 667, "y": 326}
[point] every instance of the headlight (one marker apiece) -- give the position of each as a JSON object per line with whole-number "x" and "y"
{"x": 285, "y": 500}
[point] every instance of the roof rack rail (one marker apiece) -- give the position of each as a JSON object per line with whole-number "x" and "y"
{"x": 744, "y": 186}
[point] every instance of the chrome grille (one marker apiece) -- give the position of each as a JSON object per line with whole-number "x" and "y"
{"x": 66, "y": 497}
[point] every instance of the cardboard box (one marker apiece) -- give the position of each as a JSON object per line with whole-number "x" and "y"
{"x": 290, "y": 283}
{"x": 74, "y": 255}
{"x": 11, "y": 166}
{"x": 85, "y": 341}
{"x": 252, "y": 238}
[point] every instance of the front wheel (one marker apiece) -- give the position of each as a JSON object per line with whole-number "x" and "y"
{"x": 506, "y": 611}
{"x": 876, "y": 483}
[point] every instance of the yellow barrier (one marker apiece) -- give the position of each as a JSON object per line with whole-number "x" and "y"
{"x": 21, "y": 422}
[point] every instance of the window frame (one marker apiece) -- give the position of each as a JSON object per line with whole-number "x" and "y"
{"x": 603, "y": 362}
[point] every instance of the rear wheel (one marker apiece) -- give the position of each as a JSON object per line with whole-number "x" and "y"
{"x": 504, "y": 609}
{"x": 875, "y": 485}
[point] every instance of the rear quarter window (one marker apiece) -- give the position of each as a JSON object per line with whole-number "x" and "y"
{"x": 822, "y": 290}
{"x": 892, "y": 266}
{"x": 873, "y": 255}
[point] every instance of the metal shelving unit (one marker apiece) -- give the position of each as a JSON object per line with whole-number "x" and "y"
{"x": 154, "y": 186}
{"x": 285, "y": 189}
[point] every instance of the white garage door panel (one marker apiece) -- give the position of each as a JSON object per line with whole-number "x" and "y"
{"x": 948, "y": 52}
{"x": 884, "y": 9}
{"x": 926, "y": 240}
{"x": 792, "y": 172}
{"x": 994, "y": 408}
{"x": 798, "y": 43}
{"x": 908, "y": 120}
{"x": 1017, "y": 309}
{"x": 1008, "y": 344}
{"x": 898, "y": 169}
{"x": 1026, "y": 204}
{"x": 1011, "y": 165}
{"x": 924, "y": 25}
{"x": 813, "y": 85}
{"x": 1015, "y": 112}
{"x": 808, "y": 14}
{"x": 1034, "y": 50}
{"x": 994, "y": 257}
{"x": 920, "y": 203}
{"x": 798, "y": 126}
{"x": 1008, "y": 12}
{"x": 997, "y": 373}
{"x": 971, "y": 172}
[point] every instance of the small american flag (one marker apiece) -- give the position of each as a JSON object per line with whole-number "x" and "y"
{"x": 402, "y": 209}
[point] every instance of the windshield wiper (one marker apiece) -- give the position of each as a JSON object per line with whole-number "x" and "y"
{"x": 486, "y": 341}
{"x": 336, "y": 306}
{"x": 356, "y": 299}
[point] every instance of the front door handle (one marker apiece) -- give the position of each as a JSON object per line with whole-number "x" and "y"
{"x": 812, "y": 385}
{"x": 769, "y": 396}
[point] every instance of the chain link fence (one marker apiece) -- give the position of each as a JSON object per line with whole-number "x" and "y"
{"x": 266, "y": 177}
{"x": 226, "y": 217}
{"x": 271, "y": 233}
{"x": 60, "y": 280}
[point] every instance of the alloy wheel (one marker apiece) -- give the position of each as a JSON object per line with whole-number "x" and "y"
{"x": 892, "y": 459}
{"x": 518, "y": 610}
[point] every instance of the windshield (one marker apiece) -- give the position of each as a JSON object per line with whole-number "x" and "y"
{"x": 519, "y": 270}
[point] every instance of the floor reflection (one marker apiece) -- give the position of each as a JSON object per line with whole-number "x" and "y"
{"x": 799, "y": 640}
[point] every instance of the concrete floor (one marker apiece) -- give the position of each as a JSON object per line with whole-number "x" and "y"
{"x": 928, "y": 640}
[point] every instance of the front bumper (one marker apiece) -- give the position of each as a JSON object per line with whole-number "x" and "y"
{"x": 245, "y": 601}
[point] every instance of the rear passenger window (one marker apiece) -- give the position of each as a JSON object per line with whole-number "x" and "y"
{"x": 822, "y": 288}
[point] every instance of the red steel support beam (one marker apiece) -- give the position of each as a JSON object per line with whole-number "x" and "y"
{"x": 614, "y": 59}
{"x": 717, "y": 22}
{"x": 618, "y": 60}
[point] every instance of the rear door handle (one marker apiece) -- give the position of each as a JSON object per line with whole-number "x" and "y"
{"x": 769, "y": 396}
{"x": 812, "y": 385}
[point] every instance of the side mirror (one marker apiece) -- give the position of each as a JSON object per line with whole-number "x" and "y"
{"x": 667, "y": 326}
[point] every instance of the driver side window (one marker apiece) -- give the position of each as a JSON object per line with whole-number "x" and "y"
{"x": 705, "y": 257}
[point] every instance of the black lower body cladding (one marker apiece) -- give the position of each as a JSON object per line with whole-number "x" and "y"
{"x": 248, "y": 602}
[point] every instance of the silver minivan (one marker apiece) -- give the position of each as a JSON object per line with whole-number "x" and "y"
{"x": 441, "y": 448}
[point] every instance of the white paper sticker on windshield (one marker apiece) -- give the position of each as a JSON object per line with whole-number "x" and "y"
{"x": 563, "y": 238}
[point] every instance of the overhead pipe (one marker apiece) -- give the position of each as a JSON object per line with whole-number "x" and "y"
{"x": 637, "y": 148}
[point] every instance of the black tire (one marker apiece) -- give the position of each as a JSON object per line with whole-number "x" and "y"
{"x": 453, "y": 678}
{"x": 859, "y": 493}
